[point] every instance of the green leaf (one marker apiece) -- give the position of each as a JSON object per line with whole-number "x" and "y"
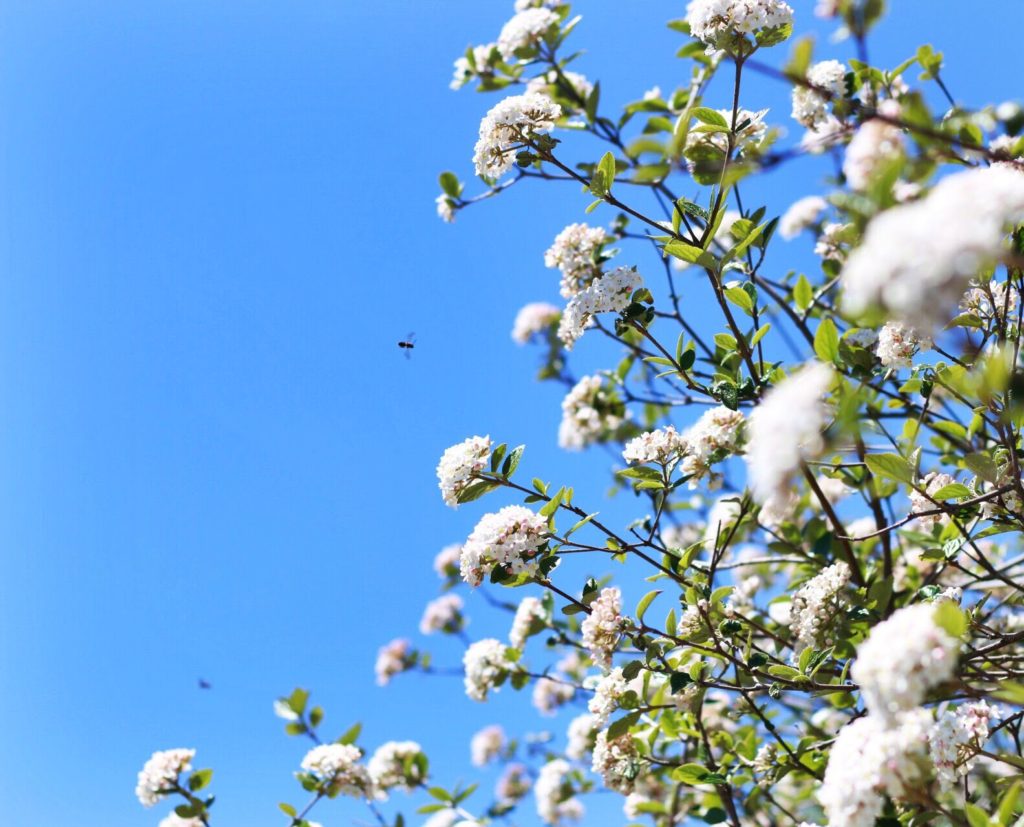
{"x": 512, "y": 461}
{"x": 752, "y": 236}
{"x": 983, "y": 465}
{"x": 760, "y": 334}
{"x": 551, "y": 506}
{"x": 297, "y": 701}
{"x": 1008, "y": 804}
{"x": 199, "y": 779}
{"x": 780, "y": 670}
{"x": 710, "y": 117}
{"x": 803, "y": 295}
{"x": 826, "y": 341}
{"x": 450, "y": 184}
{"x": 740, "y": 297}
{"x": 682, "y": 250}
{"x": 953, "y": 491}
{"x": 622, "y": 725}
{"x": 948, "y": 616}
{"x": 890, "y": 466}
{"x": 287, "y": 809}
{"x": 351, "y": 734}
{"x": 645, "y": 602}
{"x": 690, "y": 774}
{"x": 976, "y": 816}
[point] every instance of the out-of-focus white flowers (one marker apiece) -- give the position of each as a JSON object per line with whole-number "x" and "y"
{"x": 532, "y": 319}
{"x": 486, "y": 745}
{"x": 590, "y": 412}
{"x": 482, "y": 64}
{"x": 530, "y": 616}
{"x": 445, "y": 208}
{"x": 446, "y": 563}
{"x": 571, "y": 88}
{"x": 897, "y": 344}
{"x": 617, "y": 761}
{"x": 554, "y": 803}
{"x": 785, "y": 431}
{"x": 917, "y": 259}
{"x": 733, "y": 24}
{"x": 875, "y": 144}
{"x": 508, "y": 539}
{"x": 605, "y": 699}
{"x": 513, "y": 785}
{"x": 608, "y": 293}
{"x": 810, "y": 106}
{"x": 801, "y": 215}
{"x": 902, "y": 658}
{"x": 526, "y": 29}
{"x": 549, "y": 694}
{"x": 392, "y": 659}
{"x": 443, "y": 614}
{"x": 602, "y": 628}
{"x": 160, "y": 774}
{"x": 337, "y": 767}
{"x": 508, "y": 126}
{"x": 397, "y": 764}
{"x": 486, "y": 663}
{"x": 175, "y": 820}
{"x": 458, "y": 466}
{"x": 580, "y": 736}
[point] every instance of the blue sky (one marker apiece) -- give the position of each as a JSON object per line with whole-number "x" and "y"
{"x": 216, "y": 221}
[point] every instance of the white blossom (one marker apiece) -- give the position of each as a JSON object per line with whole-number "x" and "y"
{"x": 785, "y": 431}
{"x": 553, "y": 806}
{"x": 663, "y": 446}
{"x": 445, "y": 208}
{"x": 728, "y": 24}
{"x": 550, "y": 82}
{"x": 524, "y": 30}
{"x": 608, "y": 293}
{"x": 873, "y": 145}
{"x": 721, "y": 517}
{"x": 485, "y": 663}
{"x": 575, "y": 252}
{"x": 550, "y": 694}
{"x": 392, "y": 658}
{"x": 919, "y": 503}
{"x": 590, "y": 412}
{"x": 513, "y": 785}
{"x": 831, "y": 243}
{"x": 917, "y": 259}
{"x": 175, "y": 820}
{"x": 991, "y": 302}
{"x": 717, "y": 434}
{"x": 161, "y": 772}
{"x": 829, "y": 132}
{"x": 602, "y": 628}
{"x": 482, "y": 65}
{"x": 810, "y": 106}
{"x": 530, "y": 611}
{"x": 387, "y": 766}
{"x": 486, "y": 745}
{"x": 508, "y": 125}
{"x": 459, "y": 465}
{"x": 816, "y": 605}
{"x": 957, "y": 736}
{"x": 508, "y": 539}
{"x": 283, "y": 710}
{"x": 444, "y": 614}
{"x": 336, "y": 766}
{"x": 801, "y": 215}
{"x": 617, "y": 761}
{"x": 605, "y": 700}
{"x": 902, "y": 658}
{"x": 580, "y": 736}
{"x": 532, "y": 319}
{"x": 897, "y": 344}
{"x": 446, "y": 563}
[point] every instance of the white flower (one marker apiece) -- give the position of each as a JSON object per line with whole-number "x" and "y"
{"x": 816, "y": 605}
{"x": 810, "y": 106}
{"x": 590, "y": 412}
{"x": 175, "y": 820}
{"x": 529, "y": 612}
{"x": 873, "y": 145}
{"x": 387, "y": 766}
{"x": 826, "y": 134}
{"x": 335, "y": 765}
{"x": 161, "y": 772}
{"x": 392, "y": 658}
{"x": 486, "y": 745}
{"x": 606, "y": 697}
{"x": 902, "y": 658}
{"x": 801, "y": 215}
{"x": 663, "y": 446}
{"x": 443, "y": 818}
{"x": 549, "y": 83}
{"x": 873, "y": 757}
{"x": 721, "y": 517}
{"x": 785, "y": 430}
{"x": 617, "y": 761}
{"x": 603, "y": 626}
{"x": 729, "y": 24}
{"x": 283, "y": 710}
{"x": 524, "y": 30}
{"x": 957, "y": 736}
{"x": 829, "y": 245}
{"x": 652, "y": 94}
{"x": 991, "y": 302}
{"x": 465, "y": 72}
{"x": 445, "y": 208}
{"x": 532, "y": 319}
{"x": 485, "y": 664}
{"x": 549, "y": 695}
{"x": 508, "y": 539}
{"x": 513, "y": 785}
{"x": 607, "y": 293}
{"x": 580, "y": 736}
{"x": 508, "y": 125}
{"x": 897, "y": 344}
{"x": 833, "y": 489}
{"x": 917, "y": 259}
{"x": 575, "y": 252}
{"x": 717, "y": 434}
{"x": 523, "y": 5}
{"x": 459, "y": 465}
{"x": 931, "y": 483}
{"x": 553, "y": 805}
{"x": 443, "y": 614}
{"x": 446, "y": 563}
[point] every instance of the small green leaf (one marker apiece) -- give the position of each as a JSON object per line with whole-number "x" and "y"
{"x": 645, "y": 602}
{"x": 976, "y": 816}
{"x": 710, "y": 117}
{"x": 890, "y": 466}
{"x": 803, "y": 295}
{"x": 622, "y": 725}
{"x": 287, "y": 809}
{"x": 948, "y": 616}
{"x": 826, "y": 341}
{"x": 740, "y": 297}
{"x": 351, "y": 734}
{"x": 953, "y": 491}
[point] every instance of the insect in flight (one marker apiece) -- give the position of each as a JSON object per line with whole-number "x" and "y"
{"x": 407, "y": 344}
{"x": 205, "y": 684}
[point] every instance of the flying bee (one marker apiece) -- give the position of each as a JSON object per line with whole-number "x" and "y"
{"x": 205, "y": 684}
{"x": 407, "y": 344}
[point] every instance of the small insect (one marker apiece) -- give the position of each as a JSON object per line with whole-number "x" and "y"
{"x": 205, "y": 684}
{"x": 407, "y": 344}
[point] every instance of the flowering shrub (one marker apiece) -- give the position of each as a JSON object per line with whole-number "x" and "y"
{"x": 825, "y": 472}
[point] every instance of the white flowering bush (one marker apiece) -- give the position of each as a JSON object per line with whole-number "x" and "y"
{"x": 815, "y": 616}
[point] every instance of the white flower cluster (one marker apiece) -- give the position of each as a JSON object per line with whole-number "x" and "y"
{"x": 717, "y": 433}
{"x": 486, "y": 745}
{"x": 663, "y": 446}
{"x": 810, "y": 105}
{"x": 550, "y": 694}
{"x": 161, "y": 772}
{"x": 574, "y": 252}
{"x": 507, "y": 126}
{"x": 617, "y": 761}
{"x": 721, "y": 516}
{"x": 902, "y": 658}
{"x": 580, "y": 736}
{"x": 909, "y": 268}
{"x": 337, "y": 766}
{"x": 815, "y": 606}
{"x": 724, "y": 24}
{"x": 785, "y": 430}
{"x": 587, "y": 415}
{"x": 482, "y": 65}
{"x": 529, "y": 612}
{"x": 532, "y": 319}
{"x": 897, "y": 344}
{"x": 387, "y": 766}
{"x": 874, "y": 144}
{"x": 445, "y": 208}
{"x": 993, "y": 302}
{"x": 443, "y": 614}
{"x": 873, "y": 757}
{"x": 957, "y": 736}
{"x": 513, "y": 785}
{"x": 446, "y": 563}
{"x": 609, "y": 293}
{"x": 919, "y": 503}
{"x": 175, "y": 820}
{"x": 526, "y": 29}
{"x": 605, "y": 699}
{"x": 549, "y": 83}
{"x": 603, "y": 626}
{"x": 553, "y": 805}
{"x": 508, "y": 538}
{"x": 459, "y": 464}
{"x": 801, "y": 215}
{"x": 392, "y": 659}
{"x": 831, "y": 243}
{"x": 485, "y": 664}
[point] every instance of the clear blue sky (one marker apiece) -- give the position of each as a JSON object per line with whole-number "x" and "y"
{"x": 216, "y": 219}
